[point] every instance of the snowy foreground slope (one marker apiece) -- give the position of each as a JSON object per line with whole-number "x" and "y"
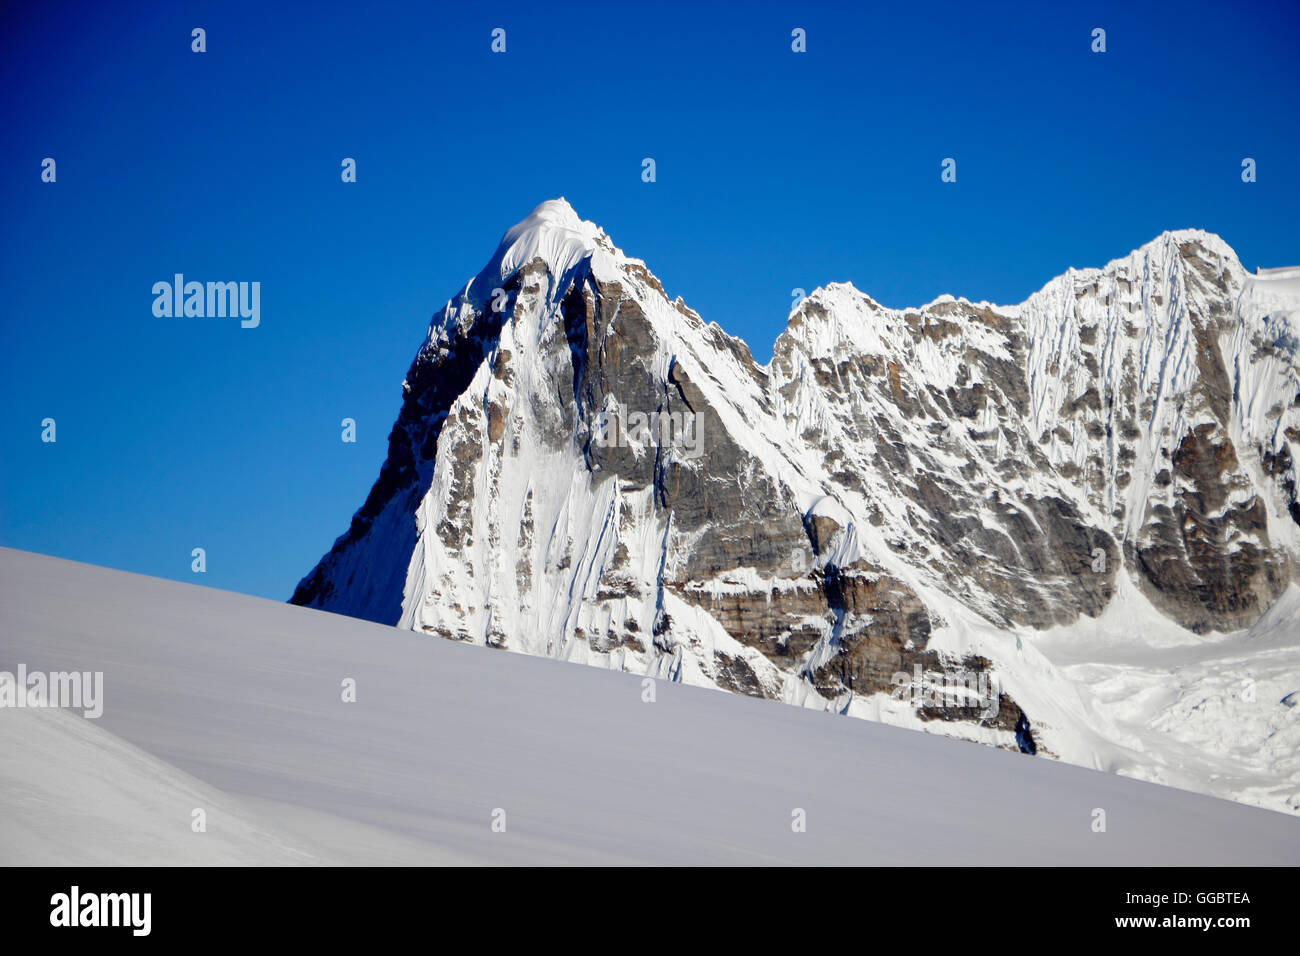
{"x": 1081, "y": 509}
{"x": 232, "y": 704}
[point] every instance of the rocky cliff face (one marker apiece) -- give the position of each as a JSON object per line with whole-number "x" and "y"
{"x": 583, "y": 468}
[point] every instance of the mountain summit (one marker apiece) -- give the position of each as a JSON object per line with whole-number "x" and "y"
{"x": 878, "y": 521}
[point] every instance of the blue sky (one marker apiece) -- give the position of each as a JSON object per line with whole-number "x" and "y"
{"x": 775, "y": 170}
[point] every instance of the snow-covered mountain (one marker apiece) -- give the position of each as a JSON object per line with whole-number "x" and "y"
{"x": 894, "y": 518}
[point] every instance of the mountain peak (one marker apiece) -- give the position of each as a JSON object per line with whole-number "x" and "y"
{"x": 1175, "y": 239}
{"x": 557, "y": 211}
{"x": 553, "y": 214}
{"x": 552, "y": 232}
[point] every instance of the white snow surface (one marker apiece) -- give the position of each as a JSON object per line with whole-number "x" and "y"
{"x": 232, "y": 704}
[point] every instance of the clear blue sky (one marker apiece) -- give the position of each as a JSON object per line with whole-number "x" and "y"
{"x": 775, "y": 170}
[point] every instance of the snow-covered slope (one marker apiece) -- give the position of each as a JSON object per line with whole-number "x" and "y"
{"x": 73, "y": 793}
{"x": 233, "y": 704}
{"x": 897, "y": 493}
